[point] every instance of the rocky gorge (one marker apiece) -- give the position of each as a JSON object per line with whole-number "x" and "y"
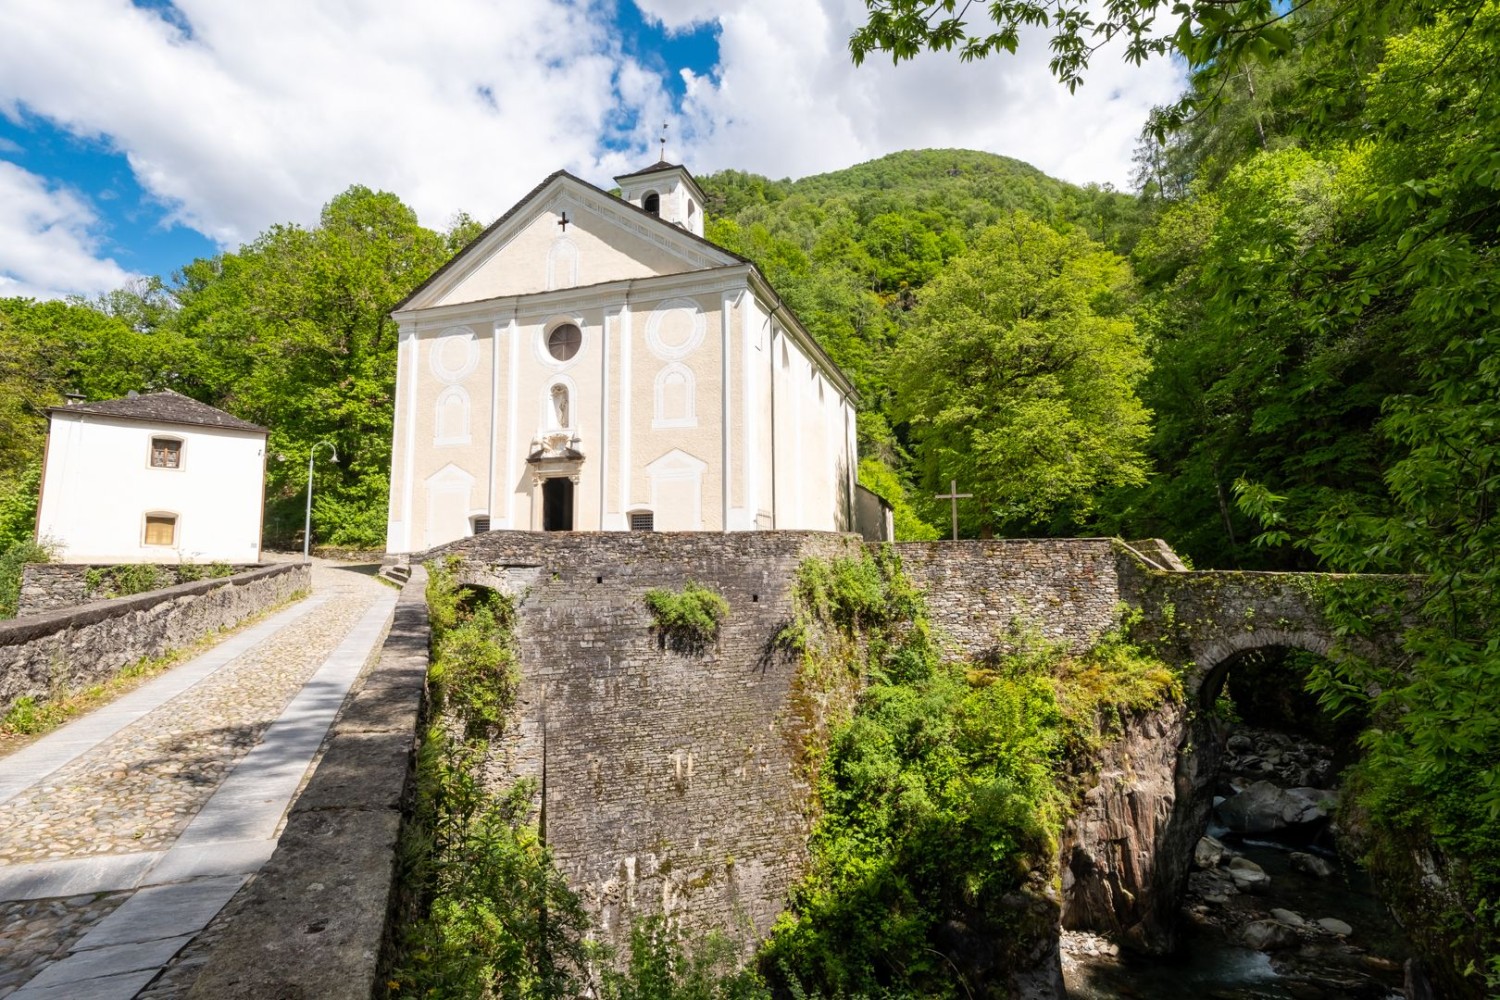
{"x": 1246, "y": 895}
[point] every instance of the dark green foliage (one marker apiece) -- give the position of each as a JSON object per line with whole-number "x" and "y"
{"x": 664, "y": 965}
{"x": 124, "y": 580}
{"x": 474, "y": 673}
{"x": 941, "y": 798}
{"x": 13, "y": 559}
{"x": 19, "y": 495}
{"x": 689, "y": 618}
{"x": 497, "y": 920}
{"x": 500, "y": 920}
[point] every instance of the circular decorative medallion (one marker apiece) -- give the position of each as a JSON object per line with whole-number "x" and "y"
{"x": 455, "y": 354}
{"x": 675, "y": 329}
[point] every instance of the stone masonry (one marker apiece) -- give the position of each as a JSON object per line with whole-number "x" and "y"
{"x": 54, "y": 586}
{"x": 671, "y": 781}
{"x": 981, "y": 594}
{"x": 73, "y": 648}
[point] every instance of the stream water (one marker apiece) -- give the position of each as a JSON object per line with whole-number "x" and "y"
{"x": 1210, "y": 965}
{"x": 1213, "y": 962}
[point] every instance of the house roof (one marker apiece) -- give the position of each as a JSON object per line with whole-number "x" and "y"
{"x": 165, "y": 407}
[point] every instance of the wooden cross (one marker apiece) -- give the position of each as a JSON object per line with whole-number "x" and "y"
{"x": 563, "y": 222}
{"x": 955, "y": 497}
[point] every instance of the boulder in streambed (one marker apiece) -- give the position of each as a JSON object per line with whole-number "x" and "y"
{"x": 1267, "y": 935}
{"x": 1311, "y": 864}
{"x": 1248, "y": 876}
{"x": 1334, "y": 925}
{"x": 1265, "y": 808}
{"x": 1208, "y": 853}
{"x": 1288, "y": 917}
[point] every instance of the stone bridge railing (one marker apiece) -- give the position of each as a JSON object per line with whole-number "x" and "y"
{"x": 68, "y": 649}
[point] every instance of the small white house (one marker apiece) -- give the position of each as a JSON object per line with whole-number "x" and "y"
{"x": 152, "y": 478}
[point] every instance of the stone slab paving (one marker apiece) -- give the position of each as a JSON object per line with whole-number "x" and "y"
{"x": 114, "y": 857}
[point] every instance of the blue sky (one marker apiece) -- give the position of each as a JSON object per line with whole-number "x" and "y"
{"x": 136, "y": 136}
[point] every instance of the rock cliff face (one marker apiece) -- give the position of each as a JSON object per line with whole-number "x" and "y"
{"x": 1128, "y": 852}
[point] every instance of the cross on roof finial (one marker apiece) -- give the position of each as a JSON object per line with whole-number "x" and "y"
{"x": 663, "y": 143}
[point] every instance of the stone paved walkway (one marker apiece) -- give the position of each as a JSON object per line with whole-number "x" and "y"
{"x": 125, "y": 832}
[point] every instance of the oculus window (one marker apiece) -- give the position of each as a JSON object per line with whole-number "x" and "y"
{"x": 563, "y": 343}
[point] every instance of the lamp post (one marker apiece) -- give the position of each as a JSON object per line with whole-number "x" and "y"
{"x": 307, "y": 526}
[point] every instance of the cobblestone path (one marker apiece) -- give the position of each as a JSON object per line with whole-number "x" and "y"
{"x": 123, "y": 834}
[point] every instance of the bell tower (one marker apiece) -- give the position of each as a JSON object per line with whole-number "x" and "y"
{"x": 667, "y": 191}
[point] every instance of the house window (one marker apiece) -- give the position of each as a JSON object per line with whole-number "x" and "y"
{"x": 642, "y": 520}
{"x": 161, "y": 529}
{"x": 481, "y": 525}
{"x": 652, "y": 203}
{"x": 166, "y": 453}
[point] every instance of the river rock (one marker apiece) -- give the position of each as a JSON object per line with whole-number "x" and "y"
{"x": 1240, "y": 743}
{"x": 1334, "y": 925}
{"x": 1288, "y": 917}
{"x": 1265, "y": 808}
{"x": 1311, "y": 864}
{"x": 1267, "y": 935}
{"x": 1208, "y": 853}
{"x": 1248, "y": 876}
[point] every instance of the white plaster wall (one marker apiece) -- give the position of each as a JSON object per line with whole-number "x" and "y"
{"x": 604, "y": 252}
{"x": 99, "y": 485}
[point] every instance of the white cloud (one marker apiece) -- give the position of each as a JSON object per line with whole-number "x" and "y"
{"x": 47, "y": 243}
{"x": 787, "y": 101}
{"x": 266, "y": 110}
{"x": 270, "y": 108}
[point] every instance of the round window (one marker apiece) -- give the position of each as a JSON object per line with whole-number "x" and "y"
{"x": 564, "y": 342}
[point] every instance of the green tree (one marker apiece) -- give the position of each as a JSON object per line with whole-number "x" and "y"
{"x": 1019, "y": 374}
{"x": 297, "y": 337}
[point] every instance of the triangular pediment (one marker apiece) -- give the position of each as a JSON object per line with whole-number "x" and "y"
{"x": 528, "y": 250}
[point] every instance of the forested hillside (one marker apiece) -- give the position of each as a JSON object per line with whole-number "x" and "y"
{"x": 1282, "y": 353}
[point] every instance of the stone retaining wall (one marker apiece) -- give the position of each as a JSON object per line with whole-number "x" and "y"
{"x": 979, "y": 593}
{"x": 54, "y": 651}
{"x": 673, "y": 780}
{"x": 54, "y": 586}
{"x": 315, "y": 919}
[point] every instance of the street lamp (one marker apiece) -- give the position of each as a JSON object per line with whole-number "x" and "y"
{"x": 307, "y": 526}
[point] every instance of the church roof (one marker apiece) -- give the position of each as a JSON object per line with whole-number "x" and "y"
{"x": 165, "y": 407}
{"x": 654, "y": 168}
{"x": 525, "y": 200}
{"x": 807, "y": 338}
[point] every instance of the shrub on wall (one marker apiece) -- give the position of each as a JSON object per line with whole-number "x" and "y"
{"x": 689, "y": 618}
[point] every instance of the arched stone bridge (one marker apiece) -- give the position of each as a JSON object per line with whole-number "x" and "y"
{"x": 983, "y": 592}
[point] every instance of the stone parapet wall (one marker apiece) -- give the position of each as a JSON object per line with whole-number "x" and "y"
{"x": 315, "y": 920}
{"x": 673, "y": 781}
{"x": 54, "y": 651}
{"x": 980, "y": 593}
{"x": 54, "y": 586}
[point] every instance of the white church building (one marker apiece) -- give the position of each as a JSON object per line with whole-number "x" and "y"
{"x": 592, "y": 363}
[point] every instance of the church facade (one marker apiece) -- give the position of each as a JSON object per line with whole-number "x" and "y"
{"x": 591, "y": 363}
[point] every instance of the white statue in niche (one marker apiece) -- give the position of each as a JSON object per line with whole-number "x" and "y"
{"x": 560, "y": 405}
